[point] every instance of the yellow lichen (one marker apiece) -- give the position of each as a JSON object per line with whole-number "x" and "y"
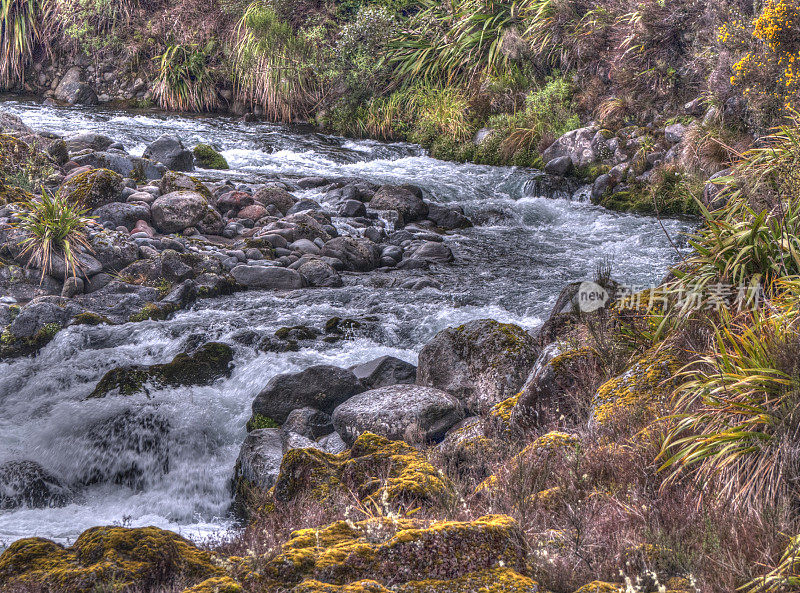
{"x": 601, "y": 587}
{"x": 216, "y": 585}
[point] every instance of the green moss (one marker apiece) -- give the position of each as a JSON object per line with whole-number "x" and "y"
{"x": 208, "y": 158}
{"x": 216, "y": 585}
{"x": 92, "y": 188}
{"x": 10, "y": 346}
{"x": 258, "y": 421}
{"x": 154, "y": 312}
{"x": 90, "y": 318}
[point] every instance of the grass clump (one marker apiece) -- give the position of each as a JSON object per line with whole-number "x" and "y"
{"x": 185, "y": 79}
{"x": 21, "y": 28}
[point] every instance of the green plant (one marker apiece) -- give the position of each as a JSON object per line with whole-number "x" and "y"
{"x": 185, "y": 80}
{"x": 54, "y": 226}
{"x": 20, "y": 31}
{"x": 784, "y": 577}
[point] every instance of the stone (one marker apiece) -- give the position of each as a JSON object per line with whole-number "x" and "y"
{"x": 577, "y": 145}
{"x": 233, "y": 201}
{"x": 254, "y": 212}
{"x": 72, "y": 90}
{"x": 384, "y": 371}
{"x": 276, "y": 196}
{"x": 357, "y": 255}
{"x": 482, "y": 362}
{"x": 93, "y": 188}
{"x": 405, "y": 202}
{"x": 322, "y": 387}
{"x": 309, "y": 422}
{"x": 122, "y": 214}
{"x": 169, "y": 151}
{"x": 260, "y": 457}
{"x": 72, "y": 286}
{"x": 398, "y": 412}
{"x": 267, "y": 277}
{"x": 28, "y": 484}
{"x": 447, "y": 218}
{"x": 675, "y": 133}
{"x": 320, "y": 274}
{"x": 561, "y": 166}
{"x": 178, "y": 210}
{"x": 206, "y": 157}
{"x": 123, "y": 164}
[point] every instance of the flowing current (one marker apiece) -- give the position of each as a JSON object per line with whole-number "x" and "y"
{"x": 510, "y": 267}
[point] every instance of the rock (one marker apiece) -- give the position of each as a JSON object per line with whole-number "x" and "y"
{"x": 333, "y": 443}
{"x": 428, "y": 252}
{"x": 85, "y": 139}
{"x": 384, "y": 371}
{"x": 93, "y": 188}
{"x": 309, "y": 423}
{"x": 172, "y": 181}
{"x": 482, "y": 362}
{"x": 178, "y": 210}
{"x": 398, "y": 412}
{"x": 123, "y": 164}
{"x": 448, "y": 219}
{"x": 209, "y": 363}
{"x": 206, "y": 157}
{"x": 233, "y": 200}
{"x": 674, "y": 134}
{"x": 561, "y": 166}
{"x": 321, "y": 387}
{"x": 28, "y": 484}
{"x": 170, "y": 152}
{"x": 577, "y": 145}
{"x": 267, "y": 277}
{"x": 212, "y": 223}
{"x": 10, "y": 123}
{"x": 482, "y": 135}
{"x": 357, "y": 255}
{"x": 311, "y": 182}
{"x": 73, "y": 91}
{"x": 551, "y": 186}
{"x": 119, "y": 301}
{"x": 85, "y": 266}
{"x": 406, "y": 203}
{"x": 352, "y": 209}
{"x": 103, "y": 555}
{"x": 254, "y": 212}
{"x": 122, "y": 214}
{"x": 278, "y": 197}
{"x": 72, "y": 286}
{"x": 601, "y": 185}
{"x": 304, "y": 205}
{"x": 36, "y": 316}
{"x": 114, "y": 250}
{"x": 320, "y": 274}
{"x": 259, "y": 460}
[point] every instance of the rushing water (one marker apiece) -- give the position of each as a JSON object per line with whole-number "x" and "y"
{"x": 510, "y": 267}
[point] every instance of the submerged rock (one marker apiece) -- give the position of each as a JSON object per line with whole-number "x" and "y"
{"x": 169, "y": 151}
{"x": 28, "y": 484}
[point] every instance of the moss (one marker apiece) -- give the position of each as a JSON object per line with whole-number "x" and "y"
{"x": 365, "y": 586}
{"x": 258, "y": 421}
{"x": 496, "y": 580}
{"x": 216, "y": 585}
{"x": 211, "y": 361}
{"x": 92, "y": 188}
{"x": 154, "y": 312}
{"x": 296, "y": 332}
{"x": 601, "y": 587}
{"x": 208, "y": 158}
{"x": 108, "y": 559}
{"x": 11, "y": 346}
{"x": 502, "y": 411}
{"x": 89, "y": 318}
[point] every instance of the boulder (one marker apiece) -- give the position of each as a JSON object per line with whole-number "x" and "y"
{"x": 561, "y": 166}
{"x": 123, "y": 164}
{"x": 405, "y": 202}
{"x": 28, "y": 484}
{"x": 482, "y": 362}
{"x": 448, "y": 219}
{"x": 114, "y": 250}
{"x": 172, "y": 181}
{"x": 207, "y": 158}
{"x": 170, "y": 152}
{"x": 385, "y": 370}
{"x": 309, "y": 423}
{"x": 674, "y": 134}
{"x": 320, "y": 274}
{"x": 93, "y": 188}
{"x": 577, "y": 145}
{"x": 428, "y": 252}
{"x": 254, "y": 212}
{"x": 122, "y": 214}
{"x": 259, "y": 460}
{"x": 267, "y": 277}
{"x": 73, "y": 90}
{"x": 276, "y": 196}
{"x": 233, "y": 200}
{"x": 398, "y": 412}
{"x": 321, "y": 387}
{"x": 357, "y": 254}
{"x": 178, "y": 210}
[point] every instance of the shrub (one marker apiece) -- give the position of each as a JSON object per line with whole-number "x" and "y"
{"x": 20, "y": 31}
{"x": 91, "y": 24}
{"x": 54, "y": 226}
{"x": 185, "y": 80}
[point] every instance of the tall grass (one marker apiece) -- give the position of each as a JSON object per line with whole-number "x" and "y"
{"x": 185, "y": 80}
{"x": 20, "y": 30}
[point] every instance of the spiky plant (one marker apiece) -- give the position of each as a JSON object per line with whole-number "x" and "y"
{"x": 784, "y": 577}
{"x": 185, "y": 80}
{"x": 54, "y": 227}
{"x": 738, "y": 425}
{"x": 20, "y": 31}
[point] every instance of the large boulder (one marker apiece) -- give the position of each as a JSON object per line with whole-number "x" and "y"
{"x": 482, "y": 362}
{"x": 267, "y": 277}
{"x": 408, "y": 204}
{"x": 357, "y": 254}
{"x": 448, "y": 218}
{"x": 179, "y": 210}
{"x": 398, "y": 412}
{"x": 321, "y": 387}
{"x": 259, "y": 461}
{"x": 207, "y": 158}
{"x": 123, "y": 164}
{"x": 320, "y": 274}
{"x": 122, "y": 214}
{"x": 169, "y": 151}
{"x": 114, "y": 250}
{"x": 73, "y": 90}
{"x": 579, "y": 145}
{"x": 26, "y": 483}
{"x": 276, "y": 196}
{"x": 383, "y": 371}
{"x": 93, "y": 188}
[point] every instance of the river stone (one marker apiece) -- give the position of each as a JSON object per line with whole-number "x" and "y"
{"x": 34, "y": 316}
{"x": 402, "y": 200}
{"x": 122, "y": 214}
{"x": 93, "y": 188}
{"x": 114, "y": 250}
{"x": 233, "y": 200}
{"x": 320, "y": 274}
{"x": 429, "y": 252}
{"x": 123, "y": 164}
{"x": 254, "y": 212}
{"x": 28, "y": 484}
{"x": 86, "y": 266}
{"x": 267, "y": 277}
{"x": 384, "y": 371}
{"x": 576, "y": 144}
{"x": 322, "y": 387}
{"x": 169, "y": 151}
{"x": 357, "y": 255}
{"x": 309, "y": 423}
{"x": 173, "y": 181}
{"x": 482, "y": 362}
{"x": 448, "y": 219}
{"x": 260, "y": 457}
{"x": 212, "y": 223}
{"x": 398, "y": 412}
{"x": 73, "y": 90}
{"x": 178, "y": 210}
{"x": 276, "y": 196}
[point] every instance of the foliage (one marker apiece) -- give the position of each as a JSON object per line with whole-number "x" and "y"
{"x": 91, "y": 24}
{"x": 20, "y": 31}
{"x": 54, "y": 226}
{"x": 185, "y": 80}
{"x": 784, "y": 577}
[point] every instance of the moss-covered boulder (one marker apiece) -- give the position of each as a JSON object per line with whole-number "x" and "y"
{"x": 481, "y": 362}
{"x": 208, "y": 158}
{"x": 106, "y": 559}
{"x": 394, "y": 552}
{"x": 208, "y": 363}
{"x": 216, "y": 585}
{"x": 93, "y": 188}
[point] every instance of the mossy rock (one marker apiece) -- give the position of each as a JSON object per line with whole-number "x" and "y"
{"x": 377, "y": 469}
{"x": 11, "y": 346}
{"x": 601, "y": 587}
{"x": 154, "y": 312}
{"x": 208, "y": 158}
{"x": 258, "y": 421}
{"x": 216, "y": 585}
{"x": 210, "y": 362}
{"x": 90, "y": 318}
{"x": 106, "y": 559}
{"x": 93, "y": 188}
{"x": 173, "y": 181}
{"x": 394, "y": 552}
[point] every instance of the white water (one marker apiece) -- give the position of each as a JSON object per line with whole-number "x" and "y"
{"x": 510, "y": 268}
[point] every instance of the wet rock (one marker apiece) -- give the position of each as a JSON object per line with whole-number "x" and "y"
{"x": 208, "y": 363}
{"x": 36, "y": 316}
{"x": 448, "y": 219}
{"x": 357, "y": 255}
{"x": 320, "y": 274}
{"x": 405, "y": 202}
{"x": 73, "y": 90}
{"x": 482, "y": 362}
{"x": 122, "y": 214}
{"x": 352, "y": 209}
{"x": 28, "y": 484}
{"x": 309, "y": 422}
{"x": 276, "y": 196}
{"x": 398, "y": 412}
{"x": 93, "y": 188}
{"x": 311, "y": 182}
{"x": 427, "y": 252}
{"x": 117, "y": 300}
{"x": 178, "y": 210}
{"x": 123, "y": 164}
{"x": 322, "y": 387}
{"x": 267, "y": 277}
{"x": 169, "y": 151}
{"x": 207, "y": 158}
{"x": 384, "y": 371}
{"x": 561, "y": 166}
{"x": 254, "y": 212}
{"x": 259, "y": 460}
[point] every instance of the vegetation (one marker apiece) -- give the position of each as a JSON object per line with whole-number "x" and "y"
{"x": 20, "y": 32}
{"x": 185, "y": 82}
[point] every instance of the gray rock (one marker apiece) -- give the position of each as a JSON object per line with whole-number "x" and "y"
{"x": 309, "y": 423}
{"x": 267, "y": 277}
{"x": 481, "y": 362}
{"x": 674, "y": 134}
{"x": 86, "y": 139}
{"x": 333, "y": 444}
{"x": 448, "y": 219}
{"x": 576, "y": 144}
{"x": 561, "y": 166}
{"x": 357, "y": 255}
{"x": 260, "y": 457}
{"x": 405, "y": 202}
{"x": 123, "y": 214}
{"x": 322, "y": 387}
{"x": 72, "y": 90}
{"x": 178, "y": 210}
{"x": 276, "y": 196}
{"x": 352, "y": 208}
{"x": 320, "y": 274}
{"x": 428, "y": 252}
{"x": 398, "y": 412}
{"x": 28, "y": 484}
{"x": 124, "y": 164}
{"x": 35, "y": 316}
{"x": 169, "y": 151}
{"x": 384, "y": 371}
{"x": 72, "y": 287}
{"x": 113, "y": 250}
{"x": 304, "y": 205}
